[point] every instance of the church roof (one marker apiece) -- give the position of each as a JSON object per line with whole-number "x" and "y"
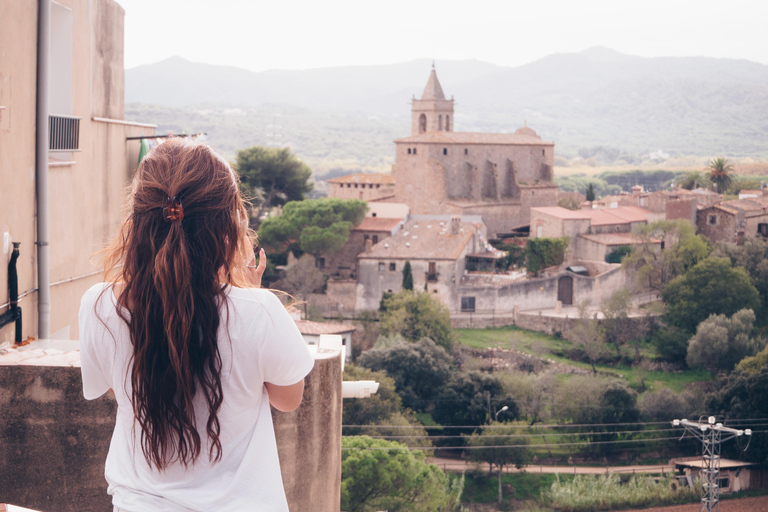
{"x": 433, "y": 91}
{"x": 475, "y": 138}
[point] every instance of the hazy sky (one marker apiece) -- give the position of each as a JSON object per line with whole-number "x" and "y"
{"x": 290, "y": 34}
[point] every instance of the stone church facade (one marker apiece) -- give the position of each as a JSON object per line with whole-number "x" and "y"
{"x": 497, "y": 176}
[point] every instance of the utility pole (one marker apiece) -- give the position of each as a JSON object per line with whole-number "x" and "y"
{"x": 711, "y": 434}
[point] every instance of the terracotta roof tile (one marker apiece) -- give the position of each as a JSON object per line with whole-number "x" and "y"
{"x": 474, "y": 138}
{"x": 317, "y": 328}
{"x": 423, "y": 239}
{"x": 378, "y": 224}
{"x": 383, "y": 179}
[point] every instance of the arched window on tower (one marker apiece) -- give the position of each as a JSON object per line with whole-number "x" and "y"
{"x": 440, "y": 122}
{"x": 422, "y": 123}
{"x": 447, "y": 123}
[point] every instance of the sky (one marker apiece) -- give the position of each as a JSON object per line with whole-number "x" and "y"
{"x": 291, "y": 34}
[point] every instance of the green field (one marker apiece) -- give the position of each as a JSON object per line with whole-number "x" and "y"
{"x": 551, "y": 347}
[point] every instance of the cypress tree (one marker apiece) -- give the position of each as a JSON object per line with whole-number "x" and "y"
{"x": 407, "y": 276}
{"x": 590, "y": 192}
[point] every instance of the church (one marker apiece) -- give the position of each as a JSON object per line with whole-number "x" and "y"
{"x": 498, "y": 176}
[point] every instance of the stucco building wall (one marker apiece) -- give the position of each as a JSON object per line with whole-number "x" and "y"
{"x": 86, "y": 187}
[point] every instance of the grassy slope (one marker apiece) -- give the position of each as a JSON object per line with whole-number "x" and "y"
{"x": 546, "y": 346}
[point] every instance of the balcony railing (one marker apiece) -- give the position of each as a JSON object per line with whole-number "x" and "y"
{"x": 64, "y": 133}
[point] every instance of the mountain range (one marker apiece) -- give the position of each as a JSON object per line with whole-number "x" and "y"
{"x": 595, "y": 98}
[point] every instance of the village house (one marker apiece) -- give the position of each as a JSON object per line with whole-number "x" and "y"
{"x": 344, "y": 263}
{"x": 594, "y": 233}
{"x": 66, "y": 159}
{"x": 732, "y": 221}
{"x": 368, "y": 187}
{"x": 436, "y": 247}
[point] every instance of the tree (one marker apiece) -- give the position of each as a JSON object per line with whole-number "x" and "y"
{"x": 385, "y": 475}
{"x": 712, "y": 286}
{"x": 274, "y": 175}
{"x": 664, "y": 405}
{"x": 590, "y": 192}
{"x": 320, "y": 226}
{"x": 753, "y": 256}
{"x": 618, "y": 327}
{"x": 416, "y": 316}
{"x": 302, "y": 278}
{"x": 418, "y": 369}
{"x": 407, "y": 276}
{"x": 506, "y": 446}
{"x": 385, "y": 407}
{"x": 719, "y": 174}
{"x": 671, "y": 343}
{"x": 654, "y": 266}
{"x": 721, "y": 342}
{"x": 466, "y": 397}
{"x": 541, "y": 253}
{"x": 743, "y": 397}
{"x": 690, "y": 180}
{"x": 588, "y": 335}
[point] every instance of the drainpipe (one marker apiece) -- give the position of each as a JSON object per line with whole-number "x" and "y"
{"x": 41, "y": 181}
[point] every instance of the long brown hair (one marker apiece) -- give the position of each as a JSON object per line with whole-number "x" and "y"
{"x": 173, "y": 275}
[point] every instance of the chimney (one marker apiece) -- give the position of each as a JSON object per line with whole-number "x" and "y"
{"x": 455, "y": 224}
{"x": 368, "y": 244}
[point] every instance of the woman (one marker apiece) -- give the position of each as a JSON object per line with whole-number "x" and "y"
{"x": 194, "y": 351}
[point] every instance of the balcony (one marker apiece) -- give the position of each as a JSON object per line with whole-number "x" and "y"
{"x": 56, "y": 442}
{"x": 63, "y": 133}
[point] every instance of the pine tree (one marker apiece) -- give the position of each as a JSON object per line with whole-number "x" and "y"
{"x": 407, "y": 276}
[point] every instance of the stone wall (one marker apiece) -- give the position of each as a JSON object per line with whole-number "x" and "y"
{"x": 54, "y": 442}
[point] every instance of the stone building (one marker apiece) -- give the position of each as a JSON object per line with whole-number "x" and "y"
{"x": 343, "y": 264}
{"x": 436, "y": 246}
{"x": 87, "y": 158}
{"x": 732, "y": 221}
{"x": 497, "y": 176}
{"x": 368, "y": 187}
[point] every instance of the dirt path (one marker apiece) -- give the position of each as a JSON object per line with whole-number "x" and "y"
{"x": 463, "y": 465}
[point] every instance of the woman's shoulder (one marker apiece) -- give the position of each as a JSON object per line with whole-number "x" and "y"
{"x": 254, "y": 299}
{"x": 94, "y": 293}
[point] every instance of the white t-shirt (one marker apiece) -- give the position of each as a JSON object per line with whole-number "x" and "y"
{"x": 258, "y": 342}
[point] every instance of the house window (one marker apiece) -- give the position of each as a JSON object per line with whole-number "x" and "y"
{"x": 373, "y": 214}
{"x": 432, "y": 272}
{"x": 355, "y": 185}
{"x": 762, "y": 229}
{"x": 349, "y": 185}
{"x": 377, "y": 186}
{"x": 445, "y": 151}
{"x": 375, "y": 239}
{"x": 447, "y": 123}
{"x": 440, "y": 122}
{"x": 366, "y": 237}
{"x": 392, "y": 267}
{"x": 422, "y": 123}
{"x": 539, "y": 229}
{"x": 409, "y": 151}
{"x": 542, "y": 152}
{"x": 712, "y": 220}
{"x": 466, "y": 151}
{"x": 414, "y": 151}
{"x": 467, "y": 304}
{"x": 382, "y": 266}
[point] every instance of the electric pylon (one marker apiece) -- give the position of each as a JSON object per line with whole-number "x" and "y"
{"x": 712, "y": 434}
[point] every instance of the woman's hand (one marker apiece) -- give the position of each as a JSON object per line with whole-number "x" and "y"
{"x": 255, "y": 272}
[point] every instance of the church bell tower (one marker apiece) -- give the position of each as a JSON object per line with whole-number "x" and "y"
{"x": 432, "y": 113}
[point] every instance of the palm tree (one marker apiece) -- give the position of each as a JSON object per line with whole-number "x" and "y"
{"x": 690, "y": 180}
{"x": 718, "y": 174}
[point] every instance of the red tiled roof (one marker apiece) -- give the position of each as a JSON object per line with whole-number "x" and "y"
{"x": 423, "y": 239}
{"x": 475, "y": 138}
{"x": 748, "y": 204}
{"x": 598, "y": 216}
{"x": 378, "y": 224}
{"x": 317, "y": 328}
{"x": 384, "y": 179}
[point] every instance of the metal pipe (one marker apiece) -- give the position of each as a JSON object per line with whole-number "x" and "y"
{"x": 41, "y": 181}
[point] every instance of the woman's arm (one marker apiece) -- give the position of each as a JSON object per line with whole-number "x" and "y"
{"x": 285, "y": 398}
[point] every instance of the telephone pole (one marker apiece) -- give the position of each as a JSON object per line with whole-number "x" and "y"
{"x": 711, "y": 434}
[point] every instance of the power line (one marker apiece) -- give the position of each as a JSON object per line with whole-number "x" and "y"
{"x": 585, "y": 443}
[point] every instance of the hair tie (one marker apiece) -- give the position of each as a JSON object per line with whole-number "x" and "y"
{"x": 173, "y": 210}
